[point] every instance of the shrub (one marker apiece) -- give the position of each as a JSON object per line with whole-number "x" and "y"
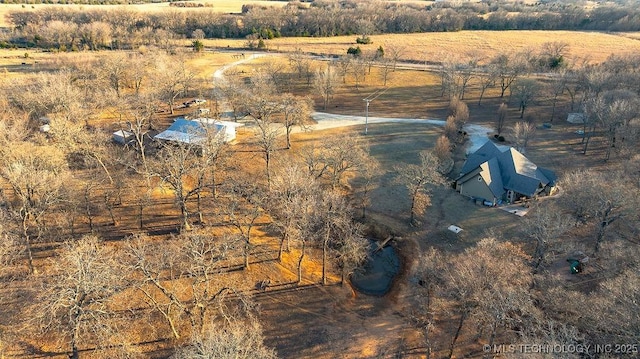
{"x": 355, "y": 51}
{"x": 364, "y": 40}
{"x": 198, "y": 46}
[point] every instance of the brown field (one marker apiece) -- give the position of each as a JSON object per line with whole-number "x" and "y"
{"x": 593, "y": 47}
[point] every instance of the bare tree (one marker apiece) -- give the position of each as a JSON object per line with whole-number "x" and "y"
{"x": 591, "y": 195}
{"x": 155, "y": 267}
{"x": 212, "y": 163}
{"x": 394, "y": 52}
{"x": 178, "y": 164}
{"x": 136, "y": 116}
{"x": 275, "y": 70}
{"x": 485, "y": 292}
{"x": 263, "y": 109}
{"x": 507, "y": 69}
{"x": 460, "y": 112}
{"x": 85, "y": 145}
{"x": 416, "y": 178}
{"x": 74, "y": 302}
{"x": 613, "y": 111}
{"x": 358, "y": 71}
{"x": 204, "y": 259}
{"x": 326, "y": 83}
{"x": 235, "y": 95}
{"x": 523, "y": 132}
{"x": 335, "y": 157}
{"x": 343, "y": 67}
{"x": 292, "y": 197}
{"x": 244, "y": 205}
{"x": 367, "y": 176}
{"x": 37, "y": 178}
{"x": 622, "y": 109}
{"x": 617, "y": 307}
{"x": 352, "y": 250}
{"x": 235, "y": 340}
{"x": 114, "y": 70}
{"x": 172, "y": 79}
{"x": 545, "y": 225}
{"x": 556, "y": 88}
{"x": 297, "y": 60}
{"x": 552, "y": 55}
{"x": 501, "y": 118}
{"x": 442, "y": 149}
{"x": 429, "y": 277}
{"x": 487, "y": 78}
{"x": 386, "y": 68}
{"x": 10, "y": 247}
{"x": 524, "y": 91}
{"x": 296, "y": 112}
{"x": 455, "y": 76}
{"x": 330, "y": 223}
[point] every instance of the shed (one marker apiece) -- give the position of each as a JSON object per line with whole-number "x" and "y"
{"x": 123, "y": 137}
{"x": 575, "y": 117}
{"x": 195, "y": 131}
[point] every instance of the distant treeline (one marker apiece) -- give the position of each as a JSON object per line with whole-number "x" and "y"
{"x": 95, "y": 28}
{"x": 84, "y": 2}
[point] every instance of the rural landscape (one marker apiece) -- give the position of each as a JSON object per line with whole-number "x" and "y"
{"x": 319, "y": 179}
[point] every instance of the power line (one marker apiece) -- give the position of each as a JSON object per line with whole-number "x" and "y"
{"x": 368, "y": 100}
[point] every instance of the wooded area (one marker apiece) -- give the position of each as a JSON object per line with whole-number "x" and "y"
{"x": 67, "y": 30}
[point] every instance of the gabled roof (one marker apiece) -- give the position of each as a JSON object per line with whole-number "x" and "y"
{"x": 507, "y": 170}
{"x": 520, "y": 174}
{"x": 183, "y": 130}
{"x": 483, "y": 154}
{"x": 490, "y": 172}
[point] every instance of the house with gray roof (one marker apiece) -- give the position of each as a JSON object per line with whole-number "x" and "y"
{"x": 496, "y": 174}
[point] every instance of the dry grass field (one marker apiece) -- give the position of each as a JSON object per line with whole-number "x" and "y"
{"x": 593, "y": 47}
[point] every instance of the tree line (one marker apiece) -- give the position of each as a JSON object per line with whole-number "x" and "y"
{"x": 55, "y": 28}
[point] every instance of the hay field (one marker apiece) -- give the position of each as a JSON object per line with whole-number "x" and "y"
{"x": 593, "y": 47}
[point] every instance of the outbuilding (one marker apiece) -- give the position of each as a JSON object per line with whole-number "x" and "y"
{"x": 123, "y": 137}
{"x": 196, "y": 131}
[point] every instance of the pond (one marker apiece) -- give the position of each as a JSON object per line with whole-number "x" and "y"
{"x": 376, "y": 278}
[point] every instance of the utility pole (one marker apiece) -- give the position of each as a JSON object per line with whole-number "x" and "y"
{"x": 368, "y": 100}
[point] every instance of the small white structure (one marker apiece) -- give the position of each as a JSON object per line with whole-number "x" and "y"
{"x": 454, "y": 229}
{"x": 575, "y": 117}
{"x": 122, "y": 137}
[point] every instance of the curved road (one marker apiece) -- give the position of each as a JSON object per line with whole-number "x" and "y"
{"x": 477, "y": 133}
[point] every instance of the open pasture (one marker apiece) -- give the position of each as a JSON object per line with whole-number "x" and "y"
{"x": 434, "y": 47}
